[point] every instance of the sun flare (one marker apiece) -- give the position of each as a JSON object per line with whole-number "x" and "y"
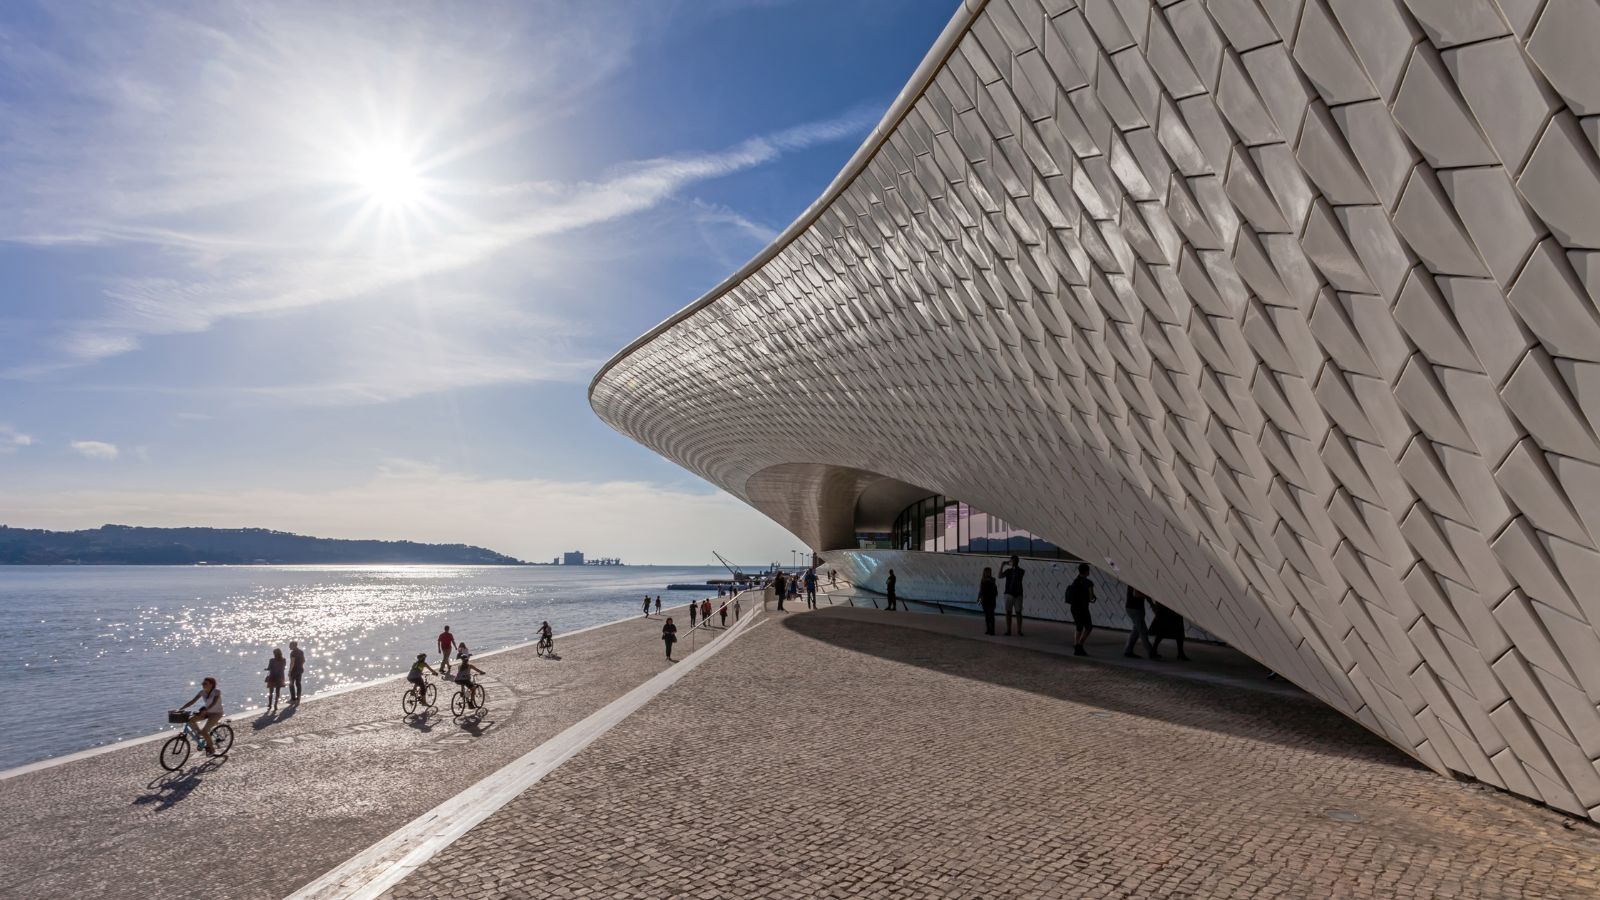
{"x": 389, "y": 176}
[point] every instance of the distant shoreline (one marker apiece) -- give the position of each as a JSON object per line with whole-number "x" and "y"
{"x": 203, "y": 546}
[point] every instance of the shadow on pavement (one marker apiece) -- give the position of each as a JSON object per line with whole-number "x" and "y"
{"x": 283, "y": 714}
{"x": 1303, "y": 723}
{"x": 168, "y": 789}
{"x": 475, "y": 724}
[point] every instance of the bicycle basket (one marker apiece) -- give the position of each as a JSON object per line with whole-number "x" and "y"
{"x": 177, "y": 717}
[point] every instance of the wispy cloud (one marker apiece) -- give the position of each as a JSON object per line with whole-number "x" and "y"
{"x": 237, "y": 182}
{"x": 95, "y": 450}
{"x": 12, "y": 440}
{"x": 407, "y": 499}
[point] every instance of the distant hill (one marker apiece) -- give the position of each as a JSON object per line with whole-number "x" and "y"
{"x": 128, "y": 545}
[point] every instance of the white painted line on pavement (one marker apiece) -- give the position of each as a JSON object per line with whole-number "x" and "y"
{"x": 54, "y": 761}
{"x": 384, "y": 864}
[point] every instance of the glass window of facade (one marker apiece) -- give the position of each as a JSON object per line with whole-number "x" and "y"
{"x": 941, "y": 525}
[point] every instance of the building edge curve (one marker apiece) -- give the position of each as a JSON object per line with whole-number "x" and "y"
{"x": 967, "y": 11}
{"x": 1292, "y": 322}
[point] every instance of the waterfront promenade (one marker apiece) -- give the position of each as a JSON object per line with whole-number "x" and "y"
{"x": 301, "y": 792}
{"x": 862, "y": 753}
{"x": 842, "y": 752}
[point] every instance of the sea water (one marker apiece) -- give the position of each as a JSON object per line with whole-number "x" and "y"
{"x": 110, "y": 648}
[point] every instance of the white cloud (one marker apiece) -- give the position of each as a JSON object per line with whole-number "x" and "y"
{"x": 238, "y": 134}
{"x": 11, "y": 439}
{"x": 407, "y": 500}
{"x": 95, "y": 449}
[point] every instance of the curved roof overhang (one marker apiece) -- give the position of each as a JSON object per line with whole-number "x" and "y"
{"x": 935, "y": 59}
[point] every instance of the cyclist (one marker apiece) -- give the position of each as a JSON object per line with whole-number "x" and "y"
{"x": 210, "y": 710}
{"x": 415, "y": 677}
{"x": 546, "y": 636}
{"x": 464, "y": 670}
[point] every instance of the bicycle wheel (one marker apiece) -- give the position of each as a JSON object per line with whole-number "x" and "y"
{"x": 480, "y": 697}
{"x": 221, "y": 740}
{"x": 408, "y": 701}
{"x": 431, "y": 693}
{"x": 539, "y": 650}
{"x": 174, "y": 753}
{"x": 458, "y": 704}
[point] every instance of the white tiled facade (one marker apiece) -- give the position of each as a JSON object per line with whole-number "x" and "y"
{"x": 1287, "y": 306}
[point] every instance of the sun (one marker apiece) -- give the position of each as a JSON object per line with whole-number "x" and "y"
{"x": 389, "y": 176}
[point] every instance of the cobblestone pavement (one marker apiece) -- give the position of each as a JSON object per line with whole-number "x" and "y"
{"x": 300, "y": 793}
{"x": 836, "y": 754}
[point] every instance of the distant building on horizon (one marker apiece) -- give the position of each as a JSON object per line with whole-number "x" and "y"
{"x": 575, "y": 558}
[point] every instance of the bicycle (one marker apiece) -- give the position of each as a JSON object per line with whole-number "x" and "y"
{"x": 410, "y": 701}
{"x": 175, "y": 752}
{"x": 462, "y": 702}
{"x": 545, "y": 647}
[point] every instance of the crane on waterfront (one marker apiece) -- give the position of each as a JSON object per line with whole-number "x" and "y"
{"x": 738, "y": 574}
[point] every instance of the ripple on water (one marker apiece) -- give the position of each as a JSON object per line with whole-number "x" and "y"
{"x": 121, "y": 644}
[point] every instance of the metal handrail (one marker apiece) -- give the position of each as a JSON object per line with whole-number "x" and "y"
{"x": 690, "y": 632}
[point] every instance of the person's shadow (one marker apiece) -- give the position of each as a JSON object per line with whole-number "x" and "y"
{"x": 476, "y": 724}
{"x": 267, "y": 718}
{"x": 421, "y": 720}
{"x": 168, "y": 789}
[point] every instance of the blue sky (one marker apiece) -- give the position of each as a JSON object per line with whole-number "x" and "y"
{"x": 346, "y": 269}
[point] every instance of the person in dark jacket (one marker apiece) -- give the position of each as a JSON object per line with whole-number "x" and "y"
{"x": 778, "y": 587}
{"x": 988, "y": 593}
{"x": 1134, "y": 604}
{"x": 1080, "y": 596}
{"x": 669, "y": 635}
{"x": 275, "y": 678}
{"x": 1011, "y": 573}
{"x": 297, "y": 670}
{"x": 1166, "y": 624}
{"x": 889, "y": 587}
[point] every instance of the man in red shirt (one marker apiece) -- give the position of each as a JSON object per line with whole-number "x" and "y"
{"x": 447, "y": 642}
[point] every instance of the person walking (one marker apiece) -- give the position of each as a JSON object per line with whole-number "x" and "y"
{"x": 736, "y": 607}
{"x": 888, "y": 587}
{"x": 647, "y": 606}
{"x": 694, "y": 613}
{"x": 988, "y": 592}
{"x": 778, "y": 586}
{"x": 275, "y": 668}
{"x": 1134, "y": 604}
{"x": 658, "y": 604}
{"x": 705, "y": 611}
{"x": 447, "y": 642}
{"x": 722, "y": 610}
{"x": 1166, "y": 623}
{"x": 669, "y": 635}
{"x": 297, "y": 670}
{"x": 811, "y": 588}
{"x": 1080, "y": 596}
{"x": 1011, "y": 573}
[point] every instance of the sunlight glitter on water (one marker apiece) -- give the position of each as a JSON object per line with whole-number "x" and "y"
{"x": 122, "y": 644}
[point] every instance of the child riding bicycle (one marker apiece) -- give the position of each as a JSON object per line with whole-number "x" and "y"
{"x": 464, "y": 670}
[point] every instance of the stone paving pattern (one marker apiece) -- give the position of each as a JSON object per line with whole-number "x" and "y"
{"x": 300, "y": 793}
{"x": 839, "y": 754}
{"x": 1287, "y": 306}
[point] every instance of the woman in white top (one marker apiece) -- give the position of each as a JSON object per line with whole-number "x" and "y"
{"x": 210, "y": 710}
